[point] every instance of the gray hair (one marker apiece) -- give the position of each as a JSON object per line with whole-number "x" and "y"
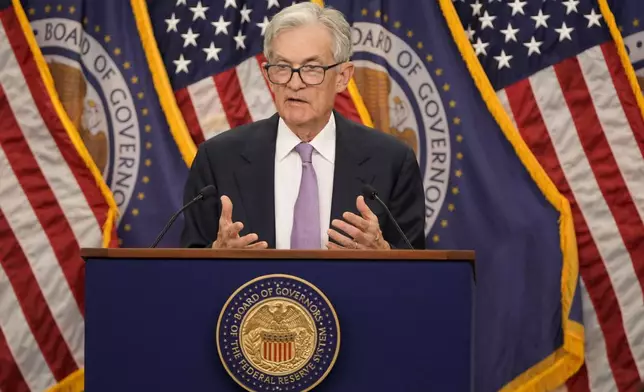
{"x": 310, "y": 13}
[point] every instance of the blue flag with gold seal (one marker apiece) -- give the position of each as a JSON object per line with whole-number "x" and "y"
{"x": 629, "y": 15}
{"x": 102, "y": 77}
{"x": 484, "y": 190}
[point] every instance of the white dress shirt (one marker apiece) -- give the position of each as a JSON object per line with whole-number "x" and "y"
{"x": 288, "y": 174}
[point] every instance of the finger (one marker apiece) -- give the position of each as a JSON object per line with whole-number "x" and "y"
{"x": 352, "y": 231}
{"x": 258, "y": 245}
{"x": 226, "y": 210}
{"x": 364, "y": 209}
{"x": 342, "y": 240}
{"x": 244, "y": 241}
{"x": 334, "y": 246}
{"x": 357, "y": 221}
{"x": 231, "y": 230}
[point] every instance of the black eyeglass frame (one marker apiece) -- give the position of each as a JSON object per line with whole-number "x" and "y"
{"x": 298, "y": 69}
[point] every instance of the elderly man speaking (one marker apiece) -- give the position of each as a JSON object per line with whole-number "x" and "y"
{"x": 294, "y": 180}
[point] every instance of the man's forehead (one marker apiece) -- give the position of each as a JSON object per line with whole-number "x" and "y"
{"x": 297, "y": 45}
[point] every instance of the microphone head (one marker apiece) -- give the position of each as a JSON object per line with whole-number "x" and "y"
{"x": 208, "y": 191}
{"x": 369, "y": 192}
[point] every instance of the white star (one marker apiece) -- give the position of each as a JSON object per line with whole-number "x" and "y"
{"x": 231, "y": 3}
{"x": 540, "y": 20}
{"x": 212, "y": 52}
{"x": 571, "y": 6}
{"x": 272, "y": 3}
{"x": 593, "y": 18}
{"x": 199, "y": 12}
{"x": 172, "y": 23}
{"x": 480, "y": 46}
{"x": 263, "y": 25}
{"x": 180, "y": 2}
{"x": 239, "y": 40}
{"x": 189, "y": 38}
{"x": 564, "y": 32}
{"x": 182, "y": 65}
{"x": 503, "y": 59}
{"x": 221, "y": 26}
{"x": 517, "y": 7}
{"x": 510, "y": 33}
{"x": 245, "y": 14}
{"x": 476, "y": 8}
{"x": 470, "y": 33}
{"x": 486, "y": 21}
{"x": 533, "y": 46}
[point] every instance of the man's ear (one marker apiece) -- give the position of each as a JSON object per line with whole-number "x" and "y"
{"x": 263, "y": 67}
{"x": 344, "y": 76}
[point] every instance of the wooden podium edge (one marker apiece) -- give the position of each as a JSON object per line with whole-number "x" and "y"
{"x": 174, "y": 253}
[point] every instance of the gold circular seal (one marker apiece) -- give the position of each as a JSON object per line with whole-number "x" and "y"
{"x": 278, "y": 332}
{"x": 278, "y": 336}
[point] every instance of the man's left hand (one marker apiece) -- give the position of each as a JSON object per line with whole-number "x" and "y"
{"x": 363, "y": 231}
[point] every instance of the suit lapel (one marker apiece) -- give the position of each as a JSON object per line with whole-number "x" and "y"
{"x": 350, "y": 172}
{"x": 255, "y": 180}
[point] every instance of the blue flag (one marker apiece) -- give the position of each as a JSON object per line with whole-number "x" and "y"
{"x": 102, "y": 77}
{"x": 629, "y": 15}
{"x": 484, "y": 191}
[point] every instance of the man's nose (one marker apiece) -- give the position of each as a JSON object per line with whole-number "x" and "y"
{"x": 296, "y": 82}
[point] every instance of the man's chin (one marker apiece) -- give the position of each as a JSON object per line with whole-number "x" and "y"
{"x": 297, "y": 117}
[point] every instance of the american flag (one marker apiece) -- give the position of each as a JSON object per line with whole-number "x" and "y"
{"x": 557, "y": 72}
{"x": 51, "y": 204}
{"x": 212, "y": 51}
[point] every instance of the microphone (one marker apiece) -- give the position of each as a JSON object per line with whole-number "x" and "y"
{"x": 204, "y": 193}
{"x": 371, "y": 193}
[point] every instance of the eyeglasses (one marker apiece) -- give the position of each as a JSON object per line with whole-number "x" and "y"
{"x": 311, "y": 75}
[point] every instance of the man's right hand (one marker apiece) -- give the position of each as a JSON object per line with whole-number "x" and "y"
{"x": 228, "y": 234}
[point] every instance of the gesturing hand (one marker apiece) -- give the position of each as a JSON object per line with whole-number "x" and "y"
{"x": 228, "y": 234}
{"x": 364, "y": 231}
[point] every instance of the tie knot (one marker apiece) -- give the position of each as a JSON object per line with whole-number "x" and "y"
{"x": 305, "y": 150}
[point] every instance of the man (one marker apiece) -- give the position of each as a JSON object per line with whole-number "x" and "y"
{"x": 294, "y": 181}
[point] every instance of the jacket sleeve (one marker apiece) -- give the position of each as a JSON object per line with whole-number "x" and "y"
{"x": 201, "y": 220}
{"x": 407, "y": 205}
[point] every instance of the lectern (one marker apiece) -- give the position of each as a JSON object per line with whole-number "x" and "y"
{"x": 275, "y": 320}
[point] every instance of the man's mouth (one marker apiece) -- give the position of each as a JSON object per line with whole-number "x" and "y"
{"x": 299, "y": 100}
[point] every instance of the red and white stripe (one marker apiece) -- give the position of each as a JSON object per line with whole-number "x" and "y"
{"x": 231, "y": 98}
{"x": 581, "y": 121}
{"x": 278, "y": 351}
{"x": 50, "y": 206}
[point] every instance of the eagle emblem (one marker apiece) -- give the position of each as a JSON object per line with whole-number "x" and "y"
{"x": 278, "y": 336}
{"x": 278, "y": 331}
{"x": 85, "y": 114}
{"x": 388, "y": 113}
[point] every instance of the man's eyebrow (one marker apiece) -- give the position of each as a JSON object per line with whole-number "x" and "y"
{"x": 279, "y": 58}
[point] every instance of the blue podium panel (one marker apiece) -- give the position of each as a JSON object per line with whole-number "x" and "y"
{"x": 405, "y": 325}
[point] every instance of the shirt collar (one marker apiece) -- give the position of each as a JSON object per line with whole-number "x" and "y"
{"x": 323, "y": 143}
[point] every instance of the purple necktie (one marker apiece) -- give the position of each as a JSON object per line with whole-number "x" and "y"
{"x": 306, "y": 216}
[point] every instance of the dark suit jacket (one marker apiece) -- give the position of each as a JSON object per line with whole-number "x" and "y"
{"x": 240, "y": 164}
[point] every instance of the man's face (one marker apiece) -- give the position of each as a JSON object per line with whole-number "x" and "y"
{"x": 300, "y": 104}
